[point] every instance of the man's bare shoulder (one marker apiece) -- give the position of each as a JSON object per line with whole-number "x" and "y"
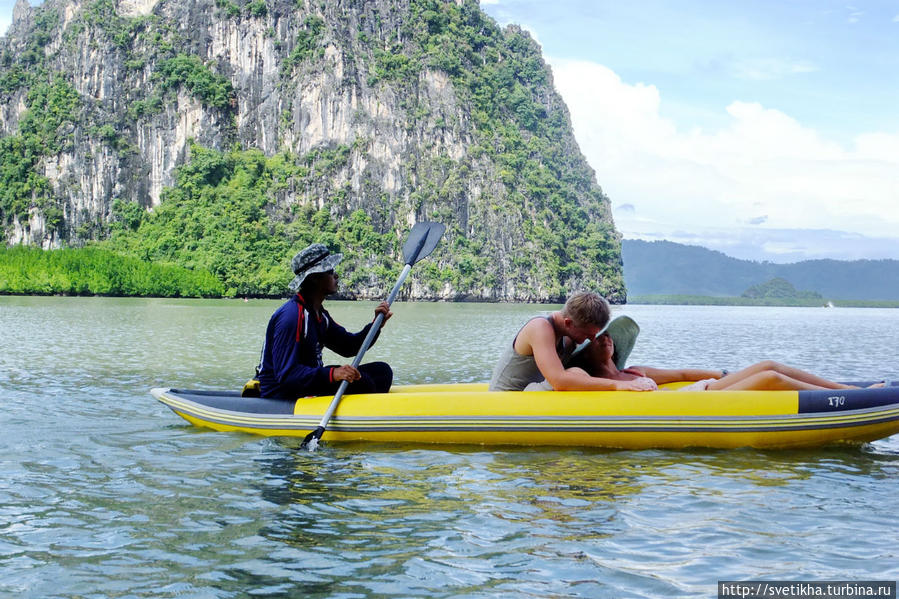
{"x": 536, "y": 331}
{"x": 538, "y": 325}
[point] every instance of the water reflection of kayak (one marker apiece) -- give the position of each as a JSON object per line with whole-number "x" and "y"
{"x": 468, "y": 413}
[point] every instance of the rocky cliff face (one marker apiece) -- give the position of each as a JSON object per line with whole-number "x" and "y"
{"x": 101, "y": 100}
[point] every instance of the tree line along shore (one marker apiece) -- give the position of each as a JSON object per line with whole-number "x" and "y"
{"x": 98, "y": 271}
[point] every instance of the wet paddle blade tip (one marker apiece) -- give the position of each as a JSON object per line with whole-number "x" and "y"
{"x": 311, "y": 440}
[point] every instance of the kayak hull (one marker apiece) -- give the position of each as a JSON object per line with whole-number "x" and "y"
{"x": 468, "y": 413}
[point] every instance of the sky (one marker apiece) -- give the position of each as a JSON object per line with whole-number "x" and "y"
{"x": 6, "y": 7}
{"x": 768, "y": 130}
{"x": 5, "y": 15}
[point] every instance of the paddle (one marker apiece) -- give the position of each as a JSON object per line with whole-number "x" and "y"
{"x": 421, "y": 242}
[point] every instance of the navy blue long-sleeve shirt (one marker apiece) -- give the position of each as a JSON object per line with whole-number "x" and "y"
{"x": 291, "y": 364}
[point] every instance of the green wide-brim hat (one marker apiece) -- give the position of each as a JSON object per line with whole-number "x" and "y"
{"x": 315, "y": 258}
{"x": 623, "y": 330}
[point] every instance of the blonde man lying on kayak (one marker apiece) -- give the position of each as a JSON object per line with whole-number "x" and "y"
{"x": 538, "y": 356}
{"x": 606, "y": 355}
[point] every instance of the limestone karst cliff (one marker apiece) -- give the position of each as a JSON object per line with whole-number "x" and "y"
{"x": 418, "y": 109}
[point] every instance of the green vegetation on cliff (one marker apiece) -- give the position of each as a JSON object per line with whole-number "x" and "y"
{"x": 215, "y": 219}
{"x": 52, "y": 105}
{"x": 189, "y": 71}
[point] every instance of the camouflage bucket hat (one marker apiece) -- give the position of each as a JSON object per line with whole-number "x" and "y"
{"x": 313, "y": 259}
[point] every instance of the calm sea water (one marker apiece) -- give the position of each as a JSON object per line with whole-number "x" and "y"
{"x": 106, "y": 493}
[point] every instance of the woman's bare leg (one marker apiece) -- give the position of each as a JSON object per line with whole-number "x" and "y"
{"x": 795, "y": 374}
{"x": 735, "y": 377}
{"x": 806, "y": 377}
{"x": 766, "y": 380}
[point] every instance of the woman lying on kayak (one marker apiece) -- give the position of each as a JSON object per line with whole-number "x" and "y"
{"x": 606, "y": 355}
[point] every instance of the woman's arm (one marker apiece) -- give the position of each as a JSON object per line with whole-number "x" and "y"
{"x": 675, "y": 375}
{"x": 575, "y": 379}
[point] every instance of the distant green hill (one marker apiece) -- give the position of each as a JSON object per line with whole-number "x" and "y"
{"x": 778, "y": 287}
{"x": 667, "y": 268}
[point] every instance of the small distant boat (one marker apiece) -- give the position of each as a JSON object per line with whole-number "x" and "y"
{"x": 829, "y": 305}
{"x": 468, "y": 413}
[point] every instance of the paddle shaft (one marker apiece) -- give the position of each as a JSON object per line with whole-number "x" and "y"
{"x": 372, "y": 332}
{"x": 428, "y": 234}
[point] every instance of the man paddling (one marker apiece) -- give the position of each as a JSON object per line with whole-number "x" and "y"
{"x": 291, "y": 364}
{"x": 537, "y": 359}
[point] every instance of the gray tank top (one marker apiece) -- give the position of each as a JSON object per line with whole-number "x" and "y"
{"x": 514, "y": 372}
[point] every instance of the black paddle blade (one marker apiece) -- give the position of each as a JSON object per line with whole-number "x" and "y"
{"x": 423, "y": 238}
{"x": 316, "y": 435}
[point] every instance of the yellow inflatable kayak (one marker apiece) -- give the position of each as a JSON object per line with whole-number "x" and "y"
{"x": 468, "y": 413}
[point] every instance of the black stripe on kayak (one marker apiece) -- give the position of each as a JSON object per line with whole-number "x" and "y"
{"x": 233, "y": 402}
{"x": 843, "y": 400}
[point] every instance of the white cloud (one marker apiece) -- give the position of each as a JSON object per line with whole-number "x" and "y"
{"x": 766, "y": 69}
{"x": 5, "y": 22}
{"x": 855, "y": 14}
{"x": 762, "y": 163}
